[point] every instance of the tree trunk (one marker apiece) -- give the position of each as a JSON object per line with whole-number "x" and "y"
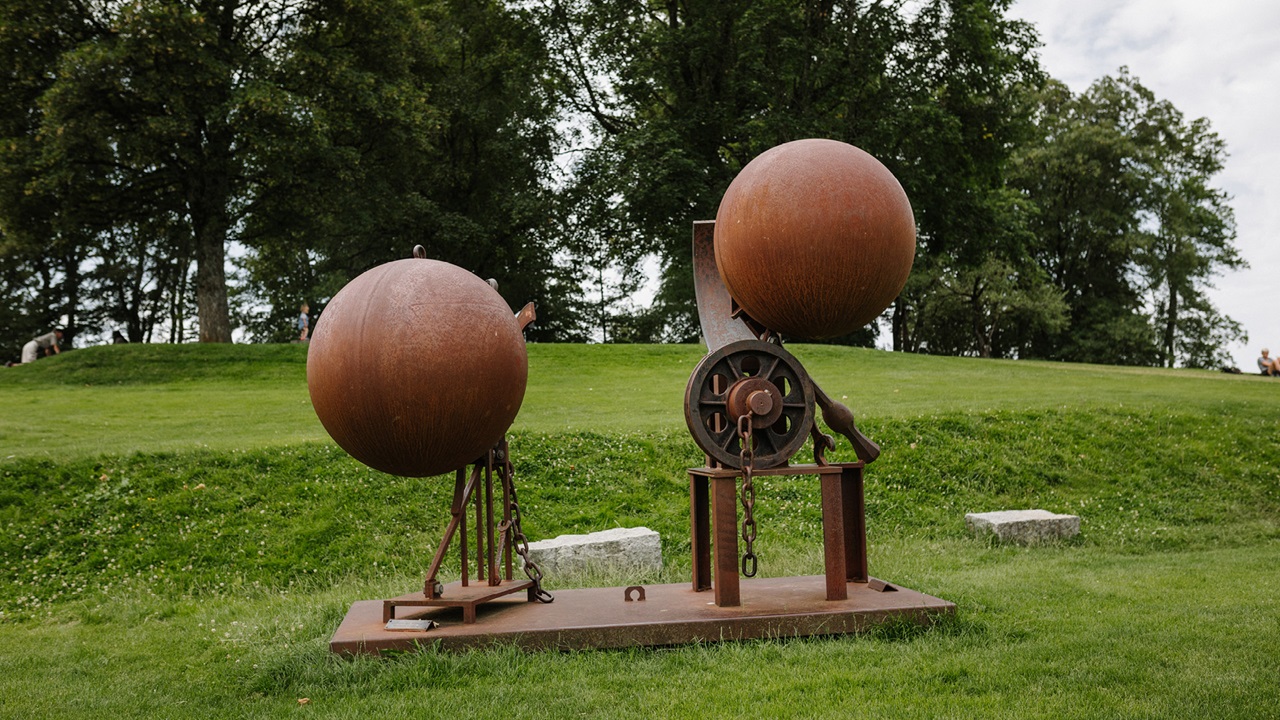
{"x": 208, "y": 199}
{"x": 212, "y": 311}
{"x": 980, "y": 335}
{"x": 1170, "y": 327}
{"x": 899, "y": 324}
{"x": 71, "y": 283}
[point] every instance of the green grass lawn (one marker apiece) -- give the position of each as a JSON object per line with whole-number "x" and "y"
{"x": 121, "y": 399}
{"x": 179, "y": 538}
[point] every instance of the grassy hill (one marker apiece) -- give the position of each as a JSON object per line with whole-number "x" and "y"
{"x": 128, "y": 398}
{"x": 179, "y": 538}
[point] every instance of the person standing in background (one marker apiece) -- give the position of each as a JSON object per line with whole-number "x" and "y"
{"x": 304, "y": 323}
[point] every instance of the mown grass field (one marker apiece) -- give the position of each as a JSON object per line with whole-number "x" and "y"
{"x": 178, "y": 538}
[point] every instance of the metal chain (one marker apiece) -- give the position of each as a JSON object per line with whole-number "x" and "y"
{"x": 746, "y": 459}
{"x": 519, "y": 542}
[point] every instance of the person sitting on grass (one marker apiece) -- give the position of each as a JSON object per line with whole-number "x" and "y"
{"x": 42, "y": 345}
{"x": 1268, "y": 365}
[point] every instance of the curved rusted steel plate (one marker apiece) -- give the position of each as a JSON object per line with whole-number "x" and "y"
{"x": 715, "y": 306}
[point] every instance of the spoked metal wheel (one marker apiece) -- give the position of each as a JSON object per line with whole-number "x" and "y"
{"x": 756, "y": 377}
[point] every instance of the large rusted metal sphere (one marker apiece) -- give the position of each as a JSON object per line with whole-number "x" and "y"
{"x": 417, "y": 367}
{"x": 815, "y": 238}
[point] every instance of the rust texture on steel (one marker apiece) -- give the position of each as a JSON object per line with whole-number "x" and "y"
{"x": 839, "y": 417}
{"x": 670, "y": 615}
{"x": 714, "y": 529}
{"x": 723, "y": 323}
{"x": 496, "y": 540}
{"x": 814, "y": 239}
{"x": 737, "y": 375}
{"x": 417, "y": 367}
{"x": 720, "y": 325}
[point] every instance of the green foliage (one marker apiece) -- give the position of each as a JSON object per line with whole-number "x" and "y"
{"x": 561, "y": 146}
{"x": 425, "y": 123}
{"x": 988, "y": 310}
{"x": 1130, "y": 228}
{"x": 681, "y": 97}
{"x": 325, "y": 137}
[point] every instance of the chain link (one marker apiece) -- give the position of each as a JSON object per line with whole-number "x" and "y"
{"x": 519, "y": 542}
{"x": 746, "y": 459}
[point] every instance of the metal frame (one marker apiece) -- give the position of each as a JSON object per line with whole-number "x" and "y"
{"x": 492, "y": 546}
{"x": 713, "y": 511}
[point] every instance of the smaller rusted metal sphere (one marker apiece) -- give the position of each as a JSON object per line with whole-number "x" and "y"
{"x": 417, "y": 367}
{"x": 815, "y": 238}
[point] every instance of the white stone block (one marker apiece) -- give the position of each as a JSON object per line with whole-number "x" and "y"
{"x": 630, "y": 548}
{"x": 1024, "y": 526}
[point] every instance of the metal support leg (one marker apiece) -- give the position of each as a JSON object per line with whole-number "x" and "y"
{"x": 700, "y": 528}
{"x": 854, "y": 511}
{"x": 834, "y": 536}
{"x": 724, "y": 526}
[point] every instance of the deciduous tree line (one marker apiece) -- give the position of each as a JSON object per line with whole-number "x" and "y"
{"x": 146, "y": 146}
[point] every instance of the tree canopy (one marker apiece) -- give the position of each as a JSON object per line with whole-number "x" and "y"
{"x": 176, "y": 169}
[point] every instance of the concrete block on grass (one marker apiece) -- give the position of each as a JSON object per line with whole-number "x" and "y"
{"x": 636, "y": 548}
{"x": 1027, "y": 527}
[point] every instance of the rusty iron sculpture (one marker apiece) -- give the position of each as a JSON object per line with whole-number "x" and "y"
{"x": 813, "y": 239}
{"x": 419, "y": 368}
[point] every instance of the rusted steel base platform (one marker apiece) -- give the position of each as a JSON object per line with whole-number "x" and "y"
{"x": 669, "y": 615}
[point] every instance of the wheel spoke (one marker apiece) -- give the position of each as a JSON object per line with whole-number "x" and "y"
{"x": 795, "y": 388}
{"x": 794, "y": 411}
{"x": 735, "y": 369}
{"x": 766, "y": 438}
{"x": 727, "y": 441}
{"x": 768, "y": 374}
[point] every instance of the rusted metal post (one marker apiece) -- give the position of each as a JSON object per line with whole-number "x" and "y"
{"x": 480, "y": 564}
{"x": 461, "y": 514}
{"x": 492, "y": 558}
{"x": 855, "y": 522}
{"x": 834, "y": 546}
{"x": 461, "y": 493}
{"x": 506, "y": 518}
{"x": 700, "y": 527}
{"x": 724, "y": 526}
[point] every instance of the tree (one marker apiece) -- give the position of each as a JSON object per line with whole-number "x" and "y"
{"x": 1128, "y": 225}
{"x": 318, "y": 137}
{"x": 140, "y": 124}
{"x": 39, "y": 265}
{"x": 1078, "y": 176}
{"x": 985, "y": 311}
{"x": 1191, "y": 229}
{"x": 427, "y": 123}
{"x": 682, "y": 95}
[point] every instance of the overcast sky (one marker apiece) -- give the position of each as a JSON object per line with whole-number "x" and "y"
{"x": 1218, "y": 59}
